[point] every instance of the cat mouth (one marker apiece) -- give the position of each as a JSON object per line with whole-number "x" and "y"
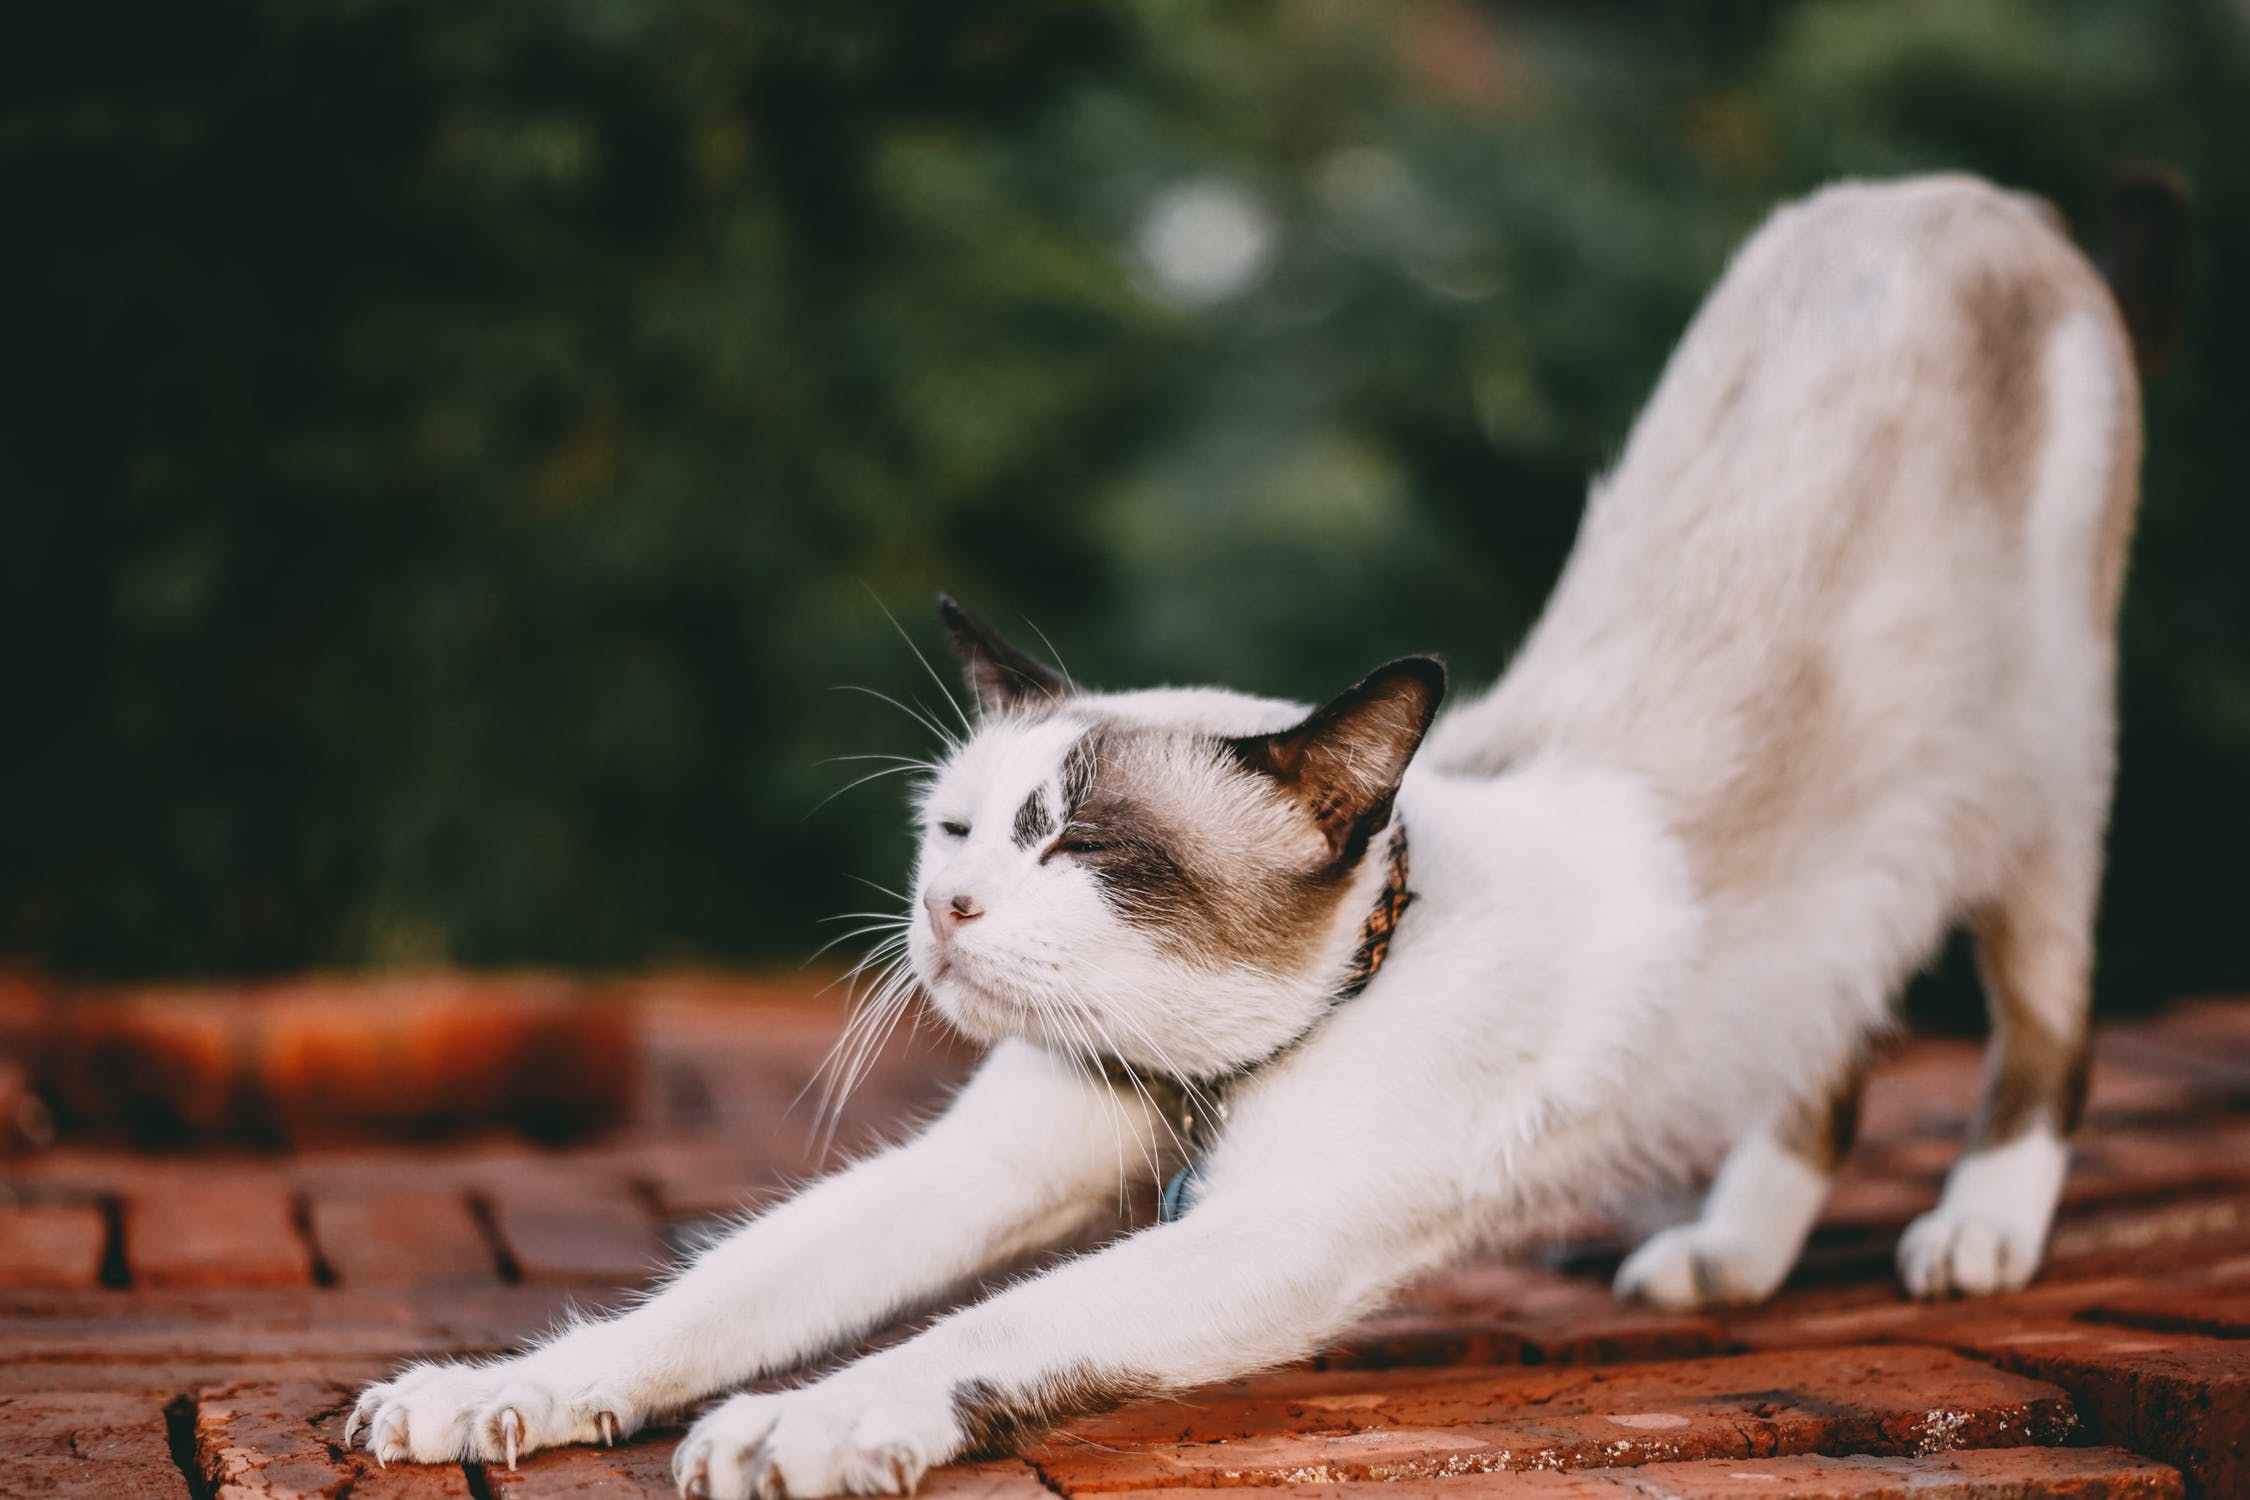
{"x": 975, "y": 995}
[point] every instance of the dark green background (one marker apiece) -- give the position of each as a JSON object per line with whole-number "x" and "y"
{"x": 453, "y": 448}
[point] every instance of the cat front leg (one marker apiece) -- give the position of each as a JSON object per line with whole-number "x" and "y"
{"x": 1243, "y": 1282}
{"x": 1028, "y": 1156}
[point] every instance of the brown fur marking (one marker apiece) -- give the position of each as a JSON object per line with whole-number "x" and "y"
{"x": 1033, "y": 821}
{"x": 1821, "y": 1130}
{"x": 1343, "y": 763}
{"x": 2114, "y": 541}
{"x": 2032, "y": 1069}
{"x": 2007, "y": 316}
{"x": 2030, "y": 1074}
{"x": 1738, "y": 839}
{"x": 1227, "y": 897}
{"x": 996, "y": 1422}
{"x": 1000, "y": 677}
{"x": 1151, "y": 873}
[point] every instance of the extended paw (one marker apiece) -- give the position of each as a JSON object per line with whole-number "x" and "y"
{"x": 1688, "y": 1266}
{"x": 1953, "y": 1252}
{"x": 827, "y": 1439}
{"x": 445, "y": 1412}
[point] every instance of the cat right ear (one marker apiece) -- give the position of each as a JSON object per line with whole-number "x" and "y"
{"x": 1002, "y": 678}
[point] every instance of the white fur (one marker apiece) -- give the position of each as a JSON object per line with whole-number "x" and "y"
{"x": 1989, "y": 1230}
{"x": 1752, "y": 1226}
{"x": 1611, "y": 973}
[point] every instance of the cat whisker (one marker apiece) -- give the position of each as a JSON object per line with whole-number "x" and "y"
{"x": 1069, "y": 683}
{"x": 858, "y": 782}
{"x": 910, "y": 760}
{"x": 896, "y": 929}
{"x": 958, "y": 711}
{"x": 1088, "y": 1055}
{"x": 875, "y": 885}
{"x": 841, "y": 1068}
{"x": 920, "y": 716}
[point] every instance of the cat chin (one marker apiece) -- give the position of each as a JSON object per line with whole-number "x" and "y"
{"x": 976, "y": 1011}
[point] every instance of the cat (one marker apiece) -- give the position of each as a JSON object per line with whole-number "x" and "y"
{"x": 1830, "y": 671}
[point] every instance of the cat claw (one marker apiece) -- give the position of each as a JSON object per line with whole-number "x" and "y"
{"x": 511, "y": 1433}
{"x": 691, "y": 1473}
{"x": 607, "y": 1422}
{"x": 362, "y": 1416}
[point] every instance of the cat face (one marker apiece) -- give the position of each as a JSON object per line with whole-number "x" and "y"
{"x": 1173, "y": 878}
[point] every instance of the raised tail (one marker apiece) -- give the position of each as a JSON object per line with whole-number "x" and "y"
{"x": 2146, "y": 257}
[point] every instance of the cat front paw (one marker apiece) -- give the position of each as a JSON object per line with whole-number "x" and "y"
{"x": 1691, "y": 1266}
{"x": 838, "y": 1437}
{"x": 1952, "y": 1252}
{"x": 447, "y": 1411}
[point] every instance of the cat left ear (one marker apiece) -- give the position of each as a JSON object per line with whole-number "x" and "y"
{"x": 1002, "y": 678}
{"x": 1344, "y": 762}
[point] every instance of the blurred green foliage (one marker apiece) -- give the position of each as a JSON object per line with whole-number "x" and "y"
{"x": 456, "y": 448}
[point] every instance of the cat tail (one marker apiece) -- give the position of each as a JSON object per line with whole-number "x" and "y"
{"x": 2146, "y": 258}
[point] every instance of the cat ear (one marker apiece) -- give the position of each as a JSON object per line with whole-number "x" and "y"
{"x": 1001, "y": 677}
{"x": 1343, "y": 764}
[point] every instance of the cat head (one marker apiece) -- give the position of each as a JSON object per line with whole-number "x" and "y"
{"x": 1176, "y": 878}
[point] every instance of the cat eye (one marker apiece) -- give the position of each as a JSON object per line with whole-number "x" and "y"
{"x": 954, "y": 830}
{"x": 1080, "y": 846}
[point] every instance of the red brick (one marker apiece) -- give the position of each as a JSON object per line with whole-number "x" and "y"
{"x": 2181, "y": 1231}
{"x": 2210, "y": 1026}
{"x": 26, "y": 1124}
{"x": 158, "y": 1062}
{"x": 412, "y": 1482}
{"x": 1927, "y": 1087}
{"x": 78, "y": 1443}
{"x": 339, "y": 1055}
{"x": 1877, "y": 1195}
{"x": 2176, "y": 1397}
{"x": 1500, "y": 1311}
{"x": 1507, "y": 1289}
{"x": 51, "y": 1245}
{"x": 256, "y": 1438}
{"x": 82, "y": 1170}
{"x": 715, "y": 1180}
{"x": 1011, "y": 1479}
{"x": 1976, "y": 1474}
{"x": 592, "y": 1236}
{"x": 418, "y": 1239}
{"x": 460, "y": 1165}
{"x": 1405, "y": 1340}
{"x": 644, "y": 1467}
{"x": 1295, "y": 1428}
{"x": 1624, "y": 1334}
{"x": 1423, "y": 1338}
{"x": 2224, "y": 1315}
{"x": 2193, "y": 1153}
{"x": 197, "y": 1233}
{"x": 640, "y": 1467}
{"x": 160, "y": 1377}
{"x": 282, "y": 1324}
{"x": 2203, "y": 1050}
{"x": 283, "y": 1440}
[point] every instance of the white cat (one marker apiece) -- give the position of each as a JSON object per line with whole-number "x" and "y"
{"x": 1829, "y": 672}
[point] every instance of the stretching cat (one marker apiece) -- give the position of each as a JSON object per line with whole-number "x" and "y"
{"x": 1830, "y": 671}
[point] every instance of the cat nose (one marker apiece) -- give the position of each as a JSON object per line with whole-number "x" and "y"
{"x": 952, "y": 911}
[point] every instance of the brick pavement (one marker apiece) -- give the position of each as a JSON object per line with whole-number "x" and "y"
{"x": 191, "y": 1325}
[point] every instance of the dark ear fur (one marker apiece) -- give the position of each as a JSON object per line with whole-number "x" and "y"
{"x": 1343, "y": 764}
{"x": 1001, "y": 677}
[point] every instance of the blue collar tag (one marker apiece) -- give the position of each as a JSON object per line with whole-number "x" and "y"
{"x": 1179, "y": 1193}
